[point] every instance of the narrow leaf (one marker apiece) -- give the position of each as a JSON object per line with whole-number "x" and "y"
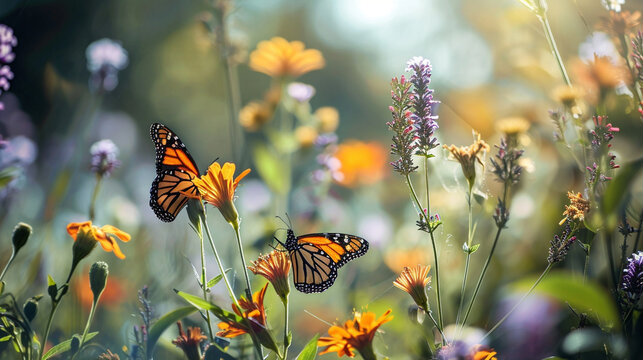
{"x": 65, "y": 346}
{"x": 164, "y": 322}
{"x": 310, "y": 350}
{"x": 216, "y": 279}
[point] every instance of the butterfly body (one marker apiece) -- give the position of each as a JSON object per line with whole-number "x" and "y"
{"x": 175, "y": 170}
{"x": 317, "y": 257}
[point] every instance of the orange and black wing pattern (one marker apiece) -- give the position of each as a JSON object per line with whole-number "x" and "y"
{"x": 317, "y": 257}
{"x": 175, "y": 170}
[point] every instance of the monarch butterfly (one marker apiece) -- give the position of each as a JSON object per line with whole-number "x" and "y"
{"x": 316, "y": 257}
{"x": 175, "y": 170}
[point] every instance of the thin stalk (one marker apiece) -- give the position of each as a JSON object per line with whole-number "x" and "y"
{"x": 435, "y": 250}
{"x": 286, "y": 340}
{"x": 586, "y": 266}
{"x": 638, "y": 234}
{"x": 4, "y": 271}
{"x": 466, "y": 264}
{"x": 92, "y": 204}
{"x": 435, "y": 254}
{"x": 237, "y": 233}
{"x": 233, "y": 106}
{"x": 519, "y": 302}
{"x": 552, "y": 46}
{"x": 54, "y": 306}
{"x": 89, "y": 321}
{"x": 204, "y": 284}
{"x": 482, "y": 274}
{"x": 626, "y": 55}
{"x": 216, "y": 256}
{"x": 435, "y": 323}
{"x": 610, "y": 256}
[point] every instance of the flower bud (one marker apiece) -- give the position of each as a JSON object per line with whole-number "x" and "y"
{"x": 83, "y": 246}
{"x": 75, "y": 344}
{"x": 30, "y": 308}
{"x": 20, "y": 236}
{"x": 98, "y": 278}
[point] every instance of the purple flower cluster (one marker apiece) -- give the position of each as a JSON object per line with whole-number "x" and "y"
{"x": 424, "y": 121}
{"x": 404, "y": 143}
{"x": 7, "y": 42}
{"x": 632, "y": 283}
{"x": 600, "y": 138}
{"x": 104, "y": 160}
{"x": 560, "y": 245}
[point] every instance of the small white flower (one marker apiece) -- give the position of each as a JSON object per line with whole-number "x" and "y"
{"x": 106, "y": 52}
{"x": 613, "y": 5}
{"x": 300, "y": 91}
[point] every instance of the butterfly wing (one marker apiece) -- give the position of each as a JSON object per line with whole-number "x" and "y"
{"x": 316, "y": 258}
{"x": 175, "y": 170}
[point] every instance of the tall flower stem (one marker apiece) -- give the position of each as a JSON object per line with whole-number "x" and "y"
{"x": 92, "y": 204}
{"x": 435, "y": 250}
{"x": 89, "y": 322}
{"x": 216, "y": 256}
{"x": 435, "y": 323}
{"x": 552, "y": 45}
{"x": 587, "y": 247}
{"x": 204, "y": 282}
{"x": 4, "y": 271}
{"x": 468, "y": 259}
{"x": 487, "y": 262}
{"x": 540, "y": 278}
{"x": 286, "y": 338}
{"x": 435, "y": 254}
{"x": 626, "y": 55}
{"x": 237, "y": 233}
{"x": 232, "y": 85}
{"x": 54, "y": 306}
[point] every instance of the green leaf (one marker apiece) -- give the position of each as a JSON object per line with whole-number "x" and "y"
{"x": 5, "y": 338}
{"x": 164, "y": 322}
{"x": 199, "y": 303}
{"x": 216, "y": 279}
{"x": 7, "y": 175}
{"x": 271, "y": 169}
{"x": 616, "y": 190}
{"x": 65, "y": 346}
{"x": 474, "y": 248}
{"x": 589, "y": 298}
{"x": 310, "y": 350}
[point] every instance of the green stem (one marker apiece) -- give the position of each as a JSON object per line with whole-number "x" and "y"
{"x": 435, "y": 253}
{"x": 237, "y": 233}
{"x": 626, "y": 55}
{"x": 519, "y": 302}
{"x": 638, "y": 233}
{"x": 367, "y": 352}
{"x": 89, "y": 321}
{"x": 552, "y": 46}
{"x": 435, "y": 323}
{"x": 54, "y": 306}
{"x": 233, "y": 106}
{"x": 587, "y": 247}
{"x": 204, "y": 282}
{"x": 4, "y": 271}
{"x": 466, "y": 264}
{"x": 92, "y": 205}
{"x": 286, "y": 339}
{"x": 216, "y": 256}
{"x": 610, "y": 257}
{"x": 435, "y": 250}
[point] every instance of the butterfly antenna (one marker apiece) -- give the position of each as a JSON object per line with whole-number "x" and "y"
{"x": 289, "y": 221}
{"x": 282, "y": 220}
{"x": 280, "y": 243}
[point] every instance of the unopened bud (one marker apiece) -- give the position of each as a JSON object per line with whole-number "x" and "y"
{"x": 98, "y": 278}
{"x": 30, "y": 309}
{"x": 20, "y": 236}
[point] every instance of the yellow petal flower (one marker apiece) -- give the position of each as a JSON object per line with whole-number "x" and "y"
{"x": 279, "y": 57}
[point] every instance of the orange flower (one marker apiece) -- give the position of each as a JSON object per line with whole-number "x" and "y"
{"x": 190, "y": 343}
{"x": 361, "y": 163}
{"x": 467, "y": 156}
{"x": 621, "y": 23}
{"x": 217, "y": 188}
{"x": 275, "y": 267}
{"x": 577, "y": 209}
{"x": 598, "y": 76}
{"x": 278, "y": 57}
{"x": 105, "y": 235}
{"x": 252, "y": 311}
{"x": 254, "y": 115}
{"x": 414, "y": 282}
{"x": 482, "y": 353}
{"x": 113, "y": 295}
{"x": 356, "y": 334}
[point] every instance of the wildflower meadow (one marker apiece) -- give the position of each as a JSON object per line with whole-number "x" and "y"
{"x": 246, "y": 179}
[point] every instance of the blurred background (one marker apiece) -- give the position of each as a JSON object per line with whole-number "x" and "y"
{"x": 490, "y": 62}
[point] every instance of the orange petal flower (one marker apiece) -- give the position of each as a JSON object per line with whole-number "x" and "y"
{"x": 414, "y": 282}
{"x": 190, "y": 343}
{"x": 467, "y": 156}
{"x": 361, "y": 163}
{"x": 275, "y": 267}
{"x": 251, "y": 310}
{"x": 217, "y": 187}
{"x": 482, "y": 353}
{"x": 279, "y": 57}
{"x": 105, "y": 236}
{"x": 356, "y": 334}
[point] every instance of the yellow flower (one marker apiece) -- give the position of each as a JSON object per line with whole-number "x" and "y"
{"x": 328, "y": 118}
{"x": 306, "y": 135}
{"x": 361, "y": 163}
{"x": 275, "y": 267}
{"x": 217, "y": 188}
{"x": 106, "y": 236}
{"x": 414, "y": 282}
{"x": 482, "y": 353}
{"x": 278, "y": 58}
{"x": 356, "y": 334}
{"x": 254, "y": 115}
{"x": 577, "y": 209}
{"x": 467, "y": 157}
{"x": 513, "y": 126}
